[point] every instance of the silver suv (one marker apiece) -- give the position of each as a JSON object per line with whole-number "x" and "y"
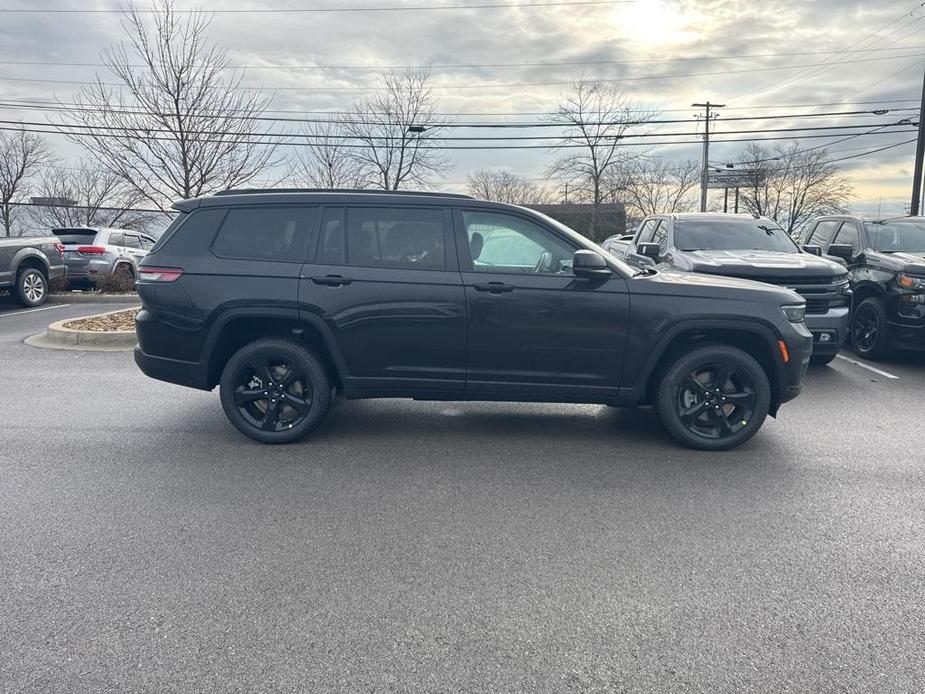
{"x": 90, "y": 253}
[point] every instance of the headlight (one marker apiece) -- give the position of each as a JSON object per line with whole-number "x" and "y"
{"x": 795, "y": 313}
{"x": 908, "y": 282}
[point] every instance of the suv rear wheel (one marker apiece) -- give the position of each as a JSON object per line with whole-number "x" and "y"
{"x": 870, "y": 334}
{"x": 31, "y": 287}
{"x": 275, "y": 390}
{"x": 714, "y": 398}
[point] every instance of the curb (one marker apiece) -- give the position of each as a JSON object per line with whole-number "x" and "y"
{"x": 57, "y": 336}
{"x": 91, "y": 298}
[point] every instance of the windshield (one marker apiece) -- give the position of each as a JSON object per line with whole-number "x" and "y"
{"x": 732, "y": 235}
{"x": 898, "y": 236}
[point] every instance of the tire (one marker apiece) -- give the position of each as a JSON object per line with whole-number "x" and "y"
{"x": 822, "y": 359}
{"x": 280, "y": 367}
{"x": 700, "y": 412}
{"x": 870, "y": 332}
{"x": 31, "y": 287}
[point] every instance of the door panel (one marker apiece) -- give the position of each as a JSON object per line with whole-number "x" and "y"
{"x": 536, "y": 329}
{"x": 399, "y": 320}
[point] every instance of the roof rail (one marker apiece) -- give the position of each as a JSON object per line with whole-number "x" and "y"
{"x": 257, "y": 191}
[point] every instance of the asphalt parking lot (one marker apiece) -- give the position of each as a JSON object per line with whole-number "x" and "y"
{"x": 451, "y": 547}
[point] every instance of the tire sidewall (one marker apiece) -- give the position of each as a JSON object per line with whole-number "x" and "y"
{"x": 702, "y": 356}
{"x": 21, "y": 283}
{"x": 296, "y": 353}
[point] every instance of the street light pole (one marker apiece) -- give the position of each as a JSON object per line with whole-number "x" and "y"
{"x": 919, "y": 156}
{"x": 704, "y": 169}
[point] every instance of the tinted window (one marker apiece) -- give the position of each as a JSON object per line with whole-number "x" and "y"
{"x": 75, "y": 236}
{"x": 333, "y": 249}
{"x": 265, "y": 233}
{"x": 504, "y": 243}
{"x": 848, "y": 234}
{"x": 116, "y": 239}
{"x": 395, "y": 237}
{"x": 132, "y": 241}
{"x": 660, "y": 236}
{"x": 890, "y": 237}
{"x": 731, "y": 235}
{"x": 822, "y": 233}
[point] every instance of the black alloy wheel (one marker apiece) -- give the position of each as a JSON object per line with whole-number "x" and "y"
{"x": 275, "y": 391}
{"x": 716, "y": 400}
{"x": 869, "y": 332}
{"x": 715, "y": 397}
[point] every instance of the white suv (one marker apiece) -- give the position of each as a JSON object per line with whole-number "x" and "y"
{"x": 90, "y": 253}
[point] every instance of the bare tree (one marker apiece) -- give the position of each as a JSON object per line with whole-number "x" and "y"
{"x": 96, "y": 198}
{"x": 326, "y": 160}
{"x": 656, "y": 186}
{"x": 176, "y": 127}
{"x": 21, "y": 156}
{"x": 791, "y": 185}
{"x": 498, "y": 185}
{"x": 596, "y": 117}
{"x": 395, "y": 134}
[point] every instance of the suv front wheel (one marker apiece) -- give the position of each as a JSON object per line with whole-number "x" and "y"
{"x": 714, "y": 398}
{"x": 275, "y": 390}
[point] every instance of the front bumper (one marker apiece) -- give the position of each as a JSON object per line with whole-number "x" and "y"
{"x": 829, "y": 329}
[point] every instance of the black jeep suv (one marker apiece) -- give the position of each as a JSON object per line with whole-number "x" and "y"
{"x": 886, "y": 268}
{"x": 279, "y": 297}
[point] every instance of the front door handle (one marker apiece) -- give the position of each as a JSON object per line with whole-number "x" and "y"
{"x": 493, "y": 287}
{"x": 332, "y": 280}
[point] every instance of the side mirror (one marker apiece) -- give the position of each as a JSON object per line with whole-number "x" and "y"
{"x": 649, "y": 250}
{"x": 841, "y": 250}
{"x": 813, "y": 249}
{"x": 586, "y": 263}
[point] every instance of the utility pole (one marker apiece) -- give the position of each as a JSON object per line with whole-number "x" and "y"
{"x": 919, "y": 156}
{"x": 704, "y": 169}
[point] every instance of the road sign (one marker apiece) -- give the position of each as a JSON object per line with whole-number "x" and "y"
{"x": 734, "y": 178}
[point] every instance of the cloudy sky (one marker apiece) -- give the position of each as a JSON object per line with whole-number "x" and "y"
{"x": 512, "y": 64}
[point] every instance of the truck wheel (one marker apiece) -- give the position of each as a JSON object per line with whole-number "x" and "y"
{"x": 714, "y": 398}
{"x": 822, "y": 359}
{"x": 275, "y": 390}
{"x": 870, "y": 334}
{"x": 31, "y": 287}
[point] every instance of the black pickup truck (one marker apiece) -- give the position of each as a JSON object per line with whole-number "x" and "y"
{"x": 751, "y": 248}
{"x": 886, "y": 268}
{"x": 27, "y": 264}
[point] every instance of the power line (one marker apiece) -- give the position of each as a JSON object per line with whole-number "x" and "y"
{"x": 318, "y": 10}
{"x": 475, "y": 125}
{"x": 497, "y": 85}
{"x": 467, "y": 66}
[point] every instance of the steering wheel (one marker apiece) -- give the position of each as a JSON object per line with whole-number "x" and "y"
{"x": 544, "y": 263}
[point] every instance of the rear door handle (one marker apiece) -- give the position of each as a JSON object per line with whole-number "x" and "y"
{"x": 332, "y": 280}
{"x": 494, "y": 287}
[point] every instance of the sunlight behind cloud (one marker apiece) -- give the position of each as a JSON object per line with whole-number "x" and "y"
{"x": 655, "y": 23}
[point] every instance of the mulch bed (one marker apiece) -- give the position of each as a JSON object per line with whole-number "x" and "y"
{"x": 123, "y": 320}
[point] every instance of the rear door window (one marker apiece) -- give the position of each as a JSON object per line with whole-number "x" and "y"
{"x": 399, "y": 237}
{"x": 132, "y": 241}
{"x": 265, "y": 233}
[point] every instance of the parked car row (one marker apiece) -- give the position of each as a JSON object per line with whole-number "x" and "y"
{"x": 82, "y": 255}
{"x": 863, "y": 281}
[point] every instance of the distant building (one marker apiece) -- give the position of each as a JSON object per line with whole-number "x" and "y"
{"x": 611, "y": 218}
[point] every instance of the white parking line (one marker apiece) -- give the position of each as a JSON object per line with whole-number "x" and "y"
{"x": 868, "y": 367}
{"x": 33, "y": 310}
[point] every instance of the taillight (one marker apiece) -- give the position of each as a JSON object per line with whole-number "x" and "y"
{"x": 91, "y": 250}
{"x": 60, "y": 248}
{"x": 160, "y": 274}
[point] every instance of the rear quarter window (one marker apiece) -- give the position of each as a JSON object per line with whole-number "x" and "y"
{"x": 265, "y": 233}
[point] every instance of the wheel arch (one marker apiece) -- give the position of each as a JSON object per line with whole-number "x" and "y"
{"x": 236, "y": 327}
{"x": 29, "y": 258}
{"x": 757, "y": 339}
